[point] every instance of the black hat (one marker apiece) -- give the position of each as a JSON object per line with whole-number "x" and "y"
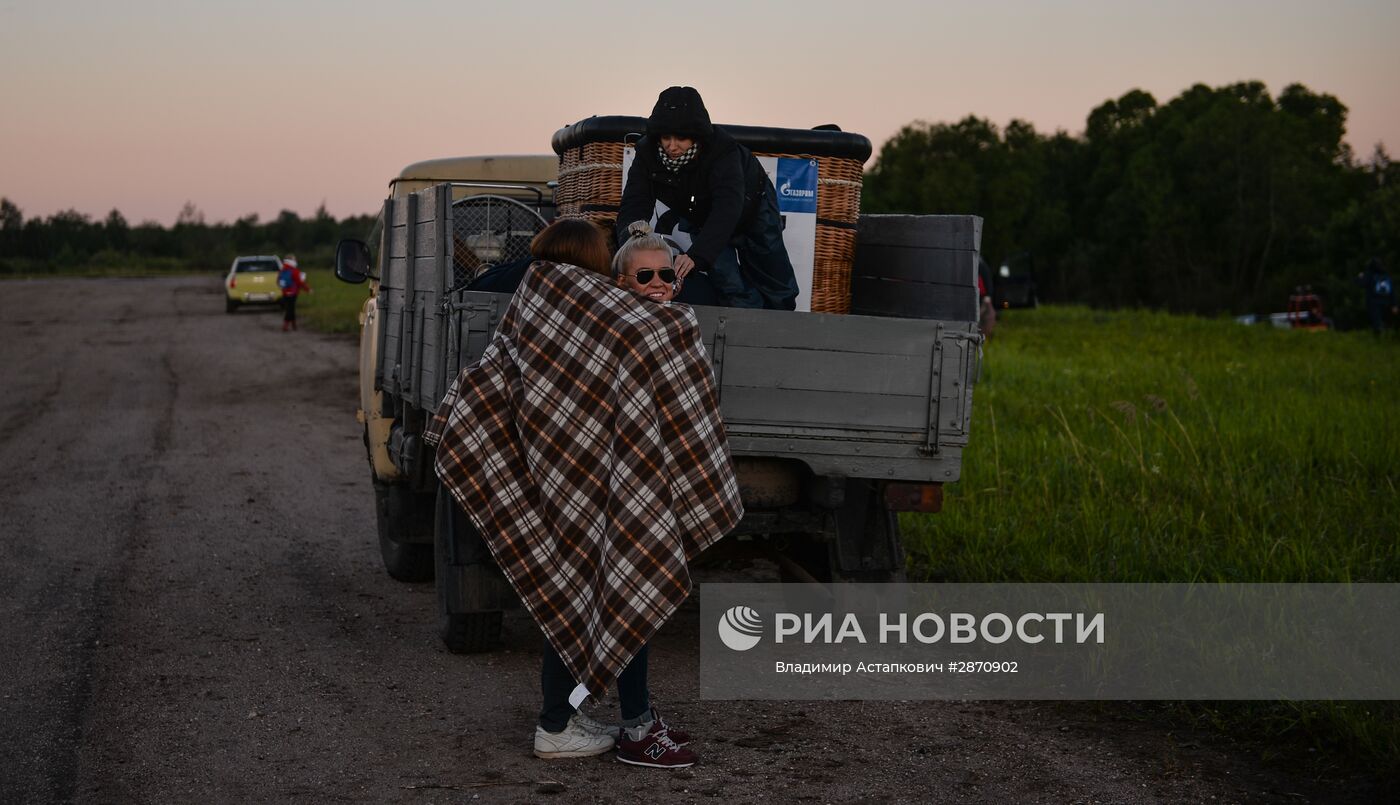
{"x": 679, "y": 110}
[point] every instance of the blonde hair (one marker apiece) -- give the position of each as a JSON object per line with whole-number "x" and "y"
{"x": 640, "y": 238}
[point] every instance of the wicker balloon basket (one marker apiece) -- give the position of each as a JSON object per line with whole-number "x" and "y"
{"x": 590, "y": 186}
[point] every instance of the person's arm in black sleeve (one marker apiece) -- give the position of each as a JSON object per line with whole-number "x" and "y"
{"x": 727, "y": 189}
{"x": 638, "y": 199}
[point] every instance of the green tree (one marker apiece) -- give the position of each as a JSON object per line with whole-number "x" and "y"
{"x": 971, "y": 167}
{"x": 1221, "y": 199}
{"x": 285, "y": 233}
{"x": 11, "y": 228}
{"x": 11, "y": 218}
{"x": 116, "y": 230}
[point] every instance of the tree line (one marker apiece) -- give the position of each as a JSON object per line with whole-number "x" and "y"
{"x": 71, "y": 240}
{"x": 1221, "y": 200}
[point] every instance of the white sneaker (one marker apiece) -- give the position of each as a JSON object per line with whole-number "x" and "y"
{"x": 574, "y": 741}
{"x": 593, "y": 726}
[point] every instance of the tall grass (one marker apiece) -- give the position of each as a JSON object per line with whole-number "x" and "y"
{"x": 1144, "y": 447}
{"x": 1138, "y": 446}
{"x": 335, "y": 305}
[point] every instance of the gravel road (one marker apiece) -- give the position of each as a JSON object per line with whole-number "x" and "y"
{"x": 195, "y": 612}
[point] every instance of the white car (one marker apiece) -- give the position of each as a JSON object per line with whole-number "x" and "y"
{"x": 253, "y": 281}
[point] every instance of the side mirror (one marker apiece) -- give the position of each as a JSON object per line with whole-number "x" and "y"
{"x": 352, "y": 261}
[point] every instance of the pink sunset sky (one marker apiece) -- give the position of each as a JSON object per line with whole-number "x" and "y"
{"x": 255, "y": 107}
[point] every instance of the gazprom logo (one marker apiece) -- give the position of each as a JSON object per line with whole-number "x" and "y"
{"x": 788, "y": 191}
{"x": 796, "y": 181}
{"x": 740, "y": 628}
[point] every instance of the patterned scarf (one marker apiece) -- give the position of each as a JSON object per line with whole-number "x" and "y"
{"x": 674, "y": 165}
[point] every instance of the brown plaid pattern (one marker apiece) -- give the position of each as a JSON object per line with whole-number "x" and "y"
{"x": 586, "y": 447}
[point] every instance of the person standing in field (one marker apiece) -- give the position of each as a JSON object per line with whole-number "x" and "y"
{"x": 1380, "y": 294}
{"x": 694, "y": 178}
{"x": 987, "y": 311}
{"x": 292, "y": 281}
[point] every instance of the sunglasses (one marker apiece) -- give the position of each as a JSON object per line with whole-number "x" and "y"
{"x": 643, "y": 276}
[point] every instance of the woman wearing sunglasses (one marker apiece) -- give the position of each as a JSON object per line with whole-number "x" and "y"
{"x": 643, "y": 264}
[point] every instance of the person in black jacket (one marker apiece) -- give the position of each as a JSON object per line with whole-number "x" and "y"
{"x": 1381, "y": 297}
{"x": 709, "y": 196}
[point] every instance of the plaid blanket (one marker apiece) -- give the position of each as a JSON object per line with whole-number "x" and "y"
{"x": 586, "y": 447}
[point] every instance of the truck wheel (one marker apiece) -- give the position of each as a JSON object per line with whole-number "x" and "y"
{"x": 471, "y": 592}
{"x": 230, "y": 306}
{"x": 405, "y": 532}
{"x": 471, "y": 633}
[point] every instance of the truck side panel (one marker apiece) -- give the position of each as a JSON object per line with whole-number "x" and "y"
{"x": 855, "y": 396}
{"x": 411, "y": 289}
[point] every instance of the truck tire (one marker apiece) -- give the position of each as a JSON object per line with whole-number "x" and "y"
{"x": 470, "y": 633}
{"x": 230, "y": 305}
{"x": 471, "y": 592}
{"x": 404, "y": 521}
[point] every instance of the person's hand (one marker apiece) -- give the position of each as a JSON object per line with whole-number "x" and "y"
{"x": 684, "y": 265}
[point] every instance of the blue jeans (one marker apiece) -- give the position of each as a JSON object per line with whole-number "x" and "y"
{"x": 754, "y": 269}
{"x": 557, "y": 683}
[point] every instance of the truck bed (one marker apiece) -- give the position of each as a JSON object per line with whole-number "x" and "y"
{"x": 853, "y": 396}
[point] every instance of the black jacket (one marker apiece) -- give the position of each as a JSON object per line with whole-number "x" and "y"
{"x": 714, "y": 192}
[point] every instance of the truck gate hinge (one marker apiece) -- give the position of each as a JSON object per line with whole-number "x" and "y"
{"x": 935, "y": 395}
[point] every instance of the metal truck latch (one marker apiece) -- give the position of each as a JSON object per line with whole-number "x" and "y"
{"x": 935, "y": 395}
{"x": 717, "y": 358}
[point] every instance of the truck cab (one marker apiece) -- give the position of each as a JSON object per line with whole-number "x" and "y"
{"x": 404, "y": 504}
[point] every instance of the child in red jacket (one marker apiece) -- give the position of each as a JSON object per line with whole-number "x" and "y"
{"x": 292, "y": 281}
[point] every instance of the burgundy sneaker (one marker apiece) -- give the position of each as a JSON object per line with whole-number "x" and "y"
{"x": 656, "y": 749}
{"x": 680, "y": 736}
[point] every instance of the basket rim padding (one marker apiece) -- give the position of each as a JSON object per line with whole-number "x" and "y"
{"x": 761, "y": 139}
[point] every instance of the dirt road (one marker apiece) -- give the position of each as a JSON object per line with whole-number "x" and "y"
{"x": 194, "y": 611}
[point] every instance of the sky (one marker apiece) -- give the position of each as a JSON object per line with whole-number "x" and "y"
{"x": 255, "y": 107}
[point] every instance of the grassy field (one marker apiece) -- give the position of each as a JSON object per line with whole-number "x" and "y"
{"x": 1138, "y": 446}
{"x": 335, "y": 305}
{"x": 1135, "y": 446}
